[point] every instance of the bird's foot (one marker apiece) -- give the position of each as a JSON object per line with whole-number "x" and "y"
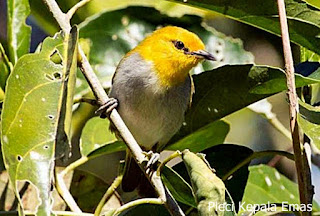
{"x": 107, "y": 108}
{"x": 153, "y": 160}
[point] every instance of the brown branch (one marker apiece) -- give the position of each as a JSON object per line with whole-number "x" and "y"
{"x": 302, "y": 167}
{"x": 102, "y": 97}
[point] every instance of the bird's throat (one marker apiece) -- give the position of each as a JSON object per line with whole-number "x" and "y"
{"x": 171, "y": 73}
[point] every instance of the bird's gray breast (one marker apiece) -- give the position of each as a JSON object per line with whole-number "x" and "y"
{"x": 152, "y": 113}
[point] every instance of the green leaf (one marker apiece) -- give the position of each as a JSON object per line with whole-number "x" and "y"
{"x": 314, "y": 3}
{"x": 207, "y": 187}
{"x": 5, "y": 67}
{"x": 303, "y": 19}
{"x": 18, "y": 32}
{"x": 35, "y": 115}
{"x": 307, "y": 55}
{"x": 206, "y": 137}
{"x": 178, "y": 187}
{"x": 308, "y": 120}
{"x": 266, "y": 184}
{"x": 122, "y": 30}
{"x": 227, "y": 89}
{"x": 87, "y": 189}
{"x": 97, "y": 139}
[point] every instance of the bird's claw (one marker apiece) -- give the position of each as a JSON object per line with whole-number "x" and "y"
{"x": 153, "y": 160}
{"x": 107, "y": 108}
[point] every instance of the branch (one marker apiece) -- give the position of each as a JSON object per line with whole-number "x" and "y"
{"x": 302, "y": 167}
{"x": 103, "y": 98}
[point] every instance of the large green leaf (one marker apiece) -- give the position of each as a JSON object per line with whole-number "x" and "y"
{"x": 206, "y": 137}
{"x": 97, "y": 139}
{"x": 18, "y": 32}
{"x": 36, "y": 113}
{"x": 266, "y": 184}
{"x": 303, "y": 19}
{"x": 232, "y": 87}
{"x": 123, "y": 29}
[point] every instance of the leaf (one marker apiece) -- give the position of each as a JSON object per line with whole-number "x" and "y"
{"x": 87, "y": 189}
{"x": 227, "y": 89}
{"x": 308, "y": 56}
{"x": 303, "y": 19}
{"x": 206, "y": 137}
{"x": 308, "y": 120}
{"x": 314, "y": 3}
{"x": 35, "y": 113}
{"x": 122, "y": 30}
{"x": 223, "y": 159}
{"x": 178, "y": 187}
{"x": 18, "y": 32}
{"x": 266, "y": 184}
{"x": 207, "y": 187}
{"x": 97, "y": 139}
{"x": 5, "y": 67}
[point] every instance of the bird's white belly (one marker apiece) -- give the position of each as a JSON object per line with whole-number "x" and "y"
{"x": 151, "y": 122}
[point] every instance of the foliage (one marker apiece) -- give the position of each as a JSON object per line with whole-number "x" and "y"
{"x": 41, "y": 118}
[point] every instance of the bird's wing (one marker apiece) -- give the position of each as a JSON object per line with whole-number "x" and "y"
{"x": 192, "y": 90}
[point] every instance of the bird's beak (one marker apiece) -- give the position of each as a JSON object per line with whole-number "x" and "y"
{"x": 203, "y": 54}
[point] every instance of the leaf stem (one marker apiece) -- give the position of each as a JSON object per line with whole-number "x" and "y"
{"x": 115, "y": 184}
{"x": 257, "y": 155}
{"x": 131, "y": 204}
{"x": 172, "y": 156}
{"x": 302, "y": 167}
{"x": 5, "y": 58}
{"x": 73, "y": 10}
{"x": 74, "y": 165}
{"x": 62, "y": 213}
{"x": 65, "y": 194}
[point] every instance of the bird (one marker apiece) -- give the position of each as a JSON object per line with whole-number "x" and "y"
{"x": 152, "y": 89}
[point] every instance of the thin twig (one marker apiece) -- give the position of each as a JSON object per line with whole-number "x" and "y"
{"x": 115, "y": 184}
{"x": 103, "y": 98}
{"x": 304, "y": 180}
{"x": 61, "y": 213}
{"x": 80, "y": 4}
{"x": 165, "y": 161}
{"x": 131, "y": 204}
{"x": 257, "y": 155}
{"x": 65, "y": 194}
{"x": 73, "y": 165}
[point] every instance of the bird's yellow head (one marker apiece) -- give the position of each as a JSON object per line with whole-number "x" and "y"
{"x": 173, "y": 52}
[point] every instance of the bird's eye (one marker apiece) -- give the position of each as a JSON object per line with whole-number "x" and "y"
{"x": 179, "y": 44}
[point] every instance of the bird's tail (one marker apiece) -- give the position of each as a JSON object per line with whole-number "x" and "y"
{"x": 133, "y": 178}
{"x": 132, "y": 174}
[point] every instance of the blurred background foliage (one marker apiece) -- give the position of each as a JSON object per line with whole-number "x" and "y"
{"x": 247, "y": 126}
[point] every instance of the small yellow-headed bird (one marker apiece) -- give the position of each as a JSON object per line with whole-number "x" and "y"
{"x": 153, "y": 88}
